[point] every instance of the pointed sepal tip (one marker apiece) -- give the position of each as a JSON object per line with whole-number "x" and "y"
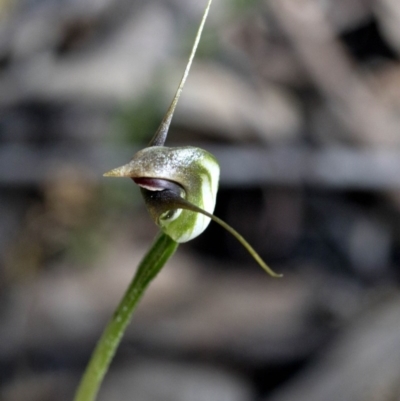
{"x": 117, "y": 172}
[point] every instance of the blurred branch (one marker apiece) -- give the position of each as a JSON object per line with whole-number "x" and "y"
{"x": 369, "y": 121}
{"x": 335, "y": 167}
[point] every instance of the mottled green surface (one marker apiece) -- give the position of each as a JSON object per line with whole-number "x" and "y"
{"x": 194, "y": 169}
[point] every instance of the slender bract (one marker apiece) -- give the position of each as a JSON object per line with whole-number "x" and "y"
{"x": 161, "y": 134}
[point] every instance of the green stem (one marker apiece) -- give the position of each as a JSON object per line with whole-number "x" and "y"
{"x": 162, "y": 249}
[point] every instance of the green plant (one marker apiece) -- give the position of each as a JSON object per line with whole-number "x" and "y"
{"x": 179, "y": 186}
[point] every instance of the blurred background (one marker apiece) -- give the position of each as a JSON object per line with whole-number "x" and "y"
{"x": 300, "y": 102}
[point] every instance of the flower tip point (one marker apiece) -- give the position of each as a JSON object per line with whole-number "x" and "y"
{"x": 108, "y": 174}
{"x": 123, "y": 171}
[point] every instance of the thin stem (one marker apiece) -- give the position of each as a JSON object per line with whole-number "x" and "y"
{"x": 162, "y": 249}
{"x": 161, "y": 135}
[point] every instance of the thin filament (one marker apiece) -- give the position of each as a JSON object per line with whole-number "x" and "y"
{"x": 161, "y": 135}
{"x": 172, "y": 200}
